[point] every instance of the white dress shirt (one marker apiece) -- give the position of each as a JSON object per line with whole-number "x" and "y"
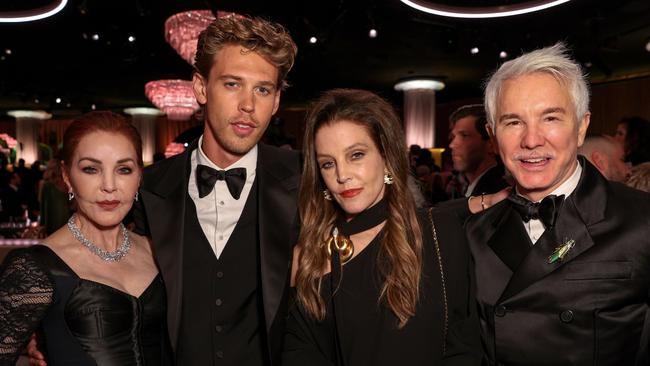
{"x": 535, "y": 228}
{"x": 219, "y": 212}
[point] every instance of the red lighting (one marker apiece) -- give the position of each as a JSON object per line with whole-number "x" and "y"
{"x": 182, "y": 30}
{"x": 174, "y": 97}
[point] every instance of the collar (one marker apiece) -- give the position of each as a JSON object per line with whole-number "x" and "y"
{"x": 248, "y": 161}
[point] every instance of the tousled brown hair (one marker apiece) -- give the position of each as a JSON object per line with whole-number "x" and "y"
{"x": 103, "y": 121}
{"x": 401, "y": 245}
{"x": 270, "y": 40}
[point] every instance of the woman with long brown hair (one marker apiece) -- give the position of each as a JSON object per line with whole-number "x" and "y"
{"x": 376, "y": 281}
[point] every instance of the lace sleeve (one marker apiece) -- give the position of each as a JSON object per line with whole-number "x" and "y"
{"x": 26, "y": 292}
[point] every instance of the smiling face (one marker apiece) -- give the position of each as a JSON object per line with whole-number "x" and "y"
{"x": 240, "y": 96}
{"x": 104, "y": 176}
{"x": 350, "y": 164}
{"x": 537, "y": 133}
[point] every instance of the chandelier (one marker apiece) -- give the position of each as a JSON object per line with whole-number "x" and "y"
{"x": 182, "y": 30}
{"x": 174, "y": 97}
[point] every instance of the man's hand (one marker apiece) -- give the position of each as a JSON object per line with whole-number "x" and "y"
{"x": 485, "y": 201}
{"x": 36, "y": 358}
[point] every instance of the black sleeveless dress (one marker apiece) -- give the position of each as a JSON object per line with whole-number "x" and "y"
{"x": 83, "y": 322}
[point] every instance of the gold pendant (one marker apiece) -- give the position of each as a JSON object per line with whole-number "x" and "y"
{"x": 343, "y": 246}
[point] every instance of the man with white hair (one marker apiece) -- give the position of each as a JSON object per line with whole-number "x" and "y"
{"x": 607, "y": 155}
{"x": 562, "y": 265}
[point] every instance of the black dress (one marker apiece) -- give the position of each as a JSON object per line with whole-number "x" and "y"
{"x": 360, "y": 330}
{"x": 83, "y": 322}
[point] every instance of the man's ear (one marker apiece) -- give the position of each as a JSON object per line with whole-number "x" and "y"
{"x": 493, "y": 139}
{"x": 599, "y": 161}
{"x": 276, "y": 102}
{"x": 199, "y": 86}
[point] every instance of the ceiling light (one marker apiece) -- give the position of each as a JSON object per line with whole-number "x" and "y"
{"x": 58, "y": 100}
{"x": 8, "y": 51}
{"x": 33, "y": 14}
{"x": 95, "y": 37}
{"x": 131, "y": 39}
{"x": 313, "y": 40}
{"x": 413, "y": 84}
{"x": 93, "y": 106}
{"x": 503, "y": 54}
{"x": 482, "y": 12}
{"x": 36, "y": 101}
{"x": 372, "y": 33}
{"x": 474, "y": 50}
{"x": 147, "y": 111}
{"x": 29, "y": 114}
{"x": 174, "y": 97}
{"x": 647, "y": 46}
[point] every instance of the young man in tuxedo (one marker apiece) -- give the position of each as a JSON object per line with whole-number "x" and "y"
{"x": 223, "y": 215}
{"x": 562, "y": 265}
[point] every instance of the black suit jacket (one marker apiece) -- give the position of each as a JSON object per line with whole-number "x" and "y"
{"x": 591, "y": 307}
{"x": 160, "y": 214}
{"x": 491, "y": 182}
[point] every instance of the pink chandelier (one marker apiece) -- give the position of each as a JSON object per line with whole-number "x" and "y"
{"x": 174, "y": 148}
{"x": 174, "y": 97}
{"x": 182, "y": 30}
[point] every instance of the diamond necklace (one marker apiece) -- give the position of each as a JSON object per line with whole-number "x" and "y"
{"x": 115, "y": 256}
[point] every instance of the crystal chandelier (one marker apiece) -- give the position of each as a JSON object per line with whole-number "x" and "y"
{"x": 174, "y": 97}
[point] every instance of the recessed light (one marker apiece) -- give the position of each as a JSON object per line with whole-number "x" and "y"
{"x": 95, "y": 37}
{"x": 372, "y": 33}
{"x": 503, "y": 54}
{"x": 58, "y": 100}
{"x": 313, "y": 40}
{"x": 131, "y": 39}
{"x": 474, "y": 50}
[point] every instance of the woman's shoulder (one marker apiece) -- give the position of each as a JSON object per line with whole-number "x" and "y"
{"x": 38, "y": 258}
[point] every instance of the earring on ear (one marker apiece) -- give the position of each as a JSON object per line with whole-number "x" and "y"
{"x": 70, "y": 195}
{"x": 388, "y": 179}
{"x": 327, "y": 195}
{"x": 136, "y": 196}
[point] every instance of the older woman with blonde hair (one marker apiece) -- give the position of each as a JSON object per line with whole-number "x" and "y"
{"x": 377, "y": 282}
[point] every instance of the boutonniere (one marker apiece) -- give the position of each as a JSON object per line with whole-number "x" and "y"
{"x": 561, "y": 251}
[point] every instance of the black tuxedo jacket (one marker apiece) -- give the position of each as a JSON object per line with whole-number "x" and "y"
{"x": 591, "y": 308}
{"x": 491, "y": 182}
{"x": 160, "y": 213}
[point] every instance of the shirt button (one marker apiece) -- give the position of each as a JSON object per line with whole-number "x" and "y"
{"x": 218, "y": 302}
{"x": 566, "y": 316}
{"x": 219, "y": 274}
{"x": 218, "y": 328}
{"x": 220, "y": 237}
{"x": 219, "y": 354}
{"x": 221, "y": 203}
{"x": 500, "y": 311}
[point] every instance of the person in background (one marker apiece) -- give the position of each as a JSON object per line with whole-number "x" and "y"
{"x": 640, "y": 177}
{"x": 92, "y": 286}
{"x": 377, "y": 282}
{"x": 473, "y": 153}
{"x": 634, "y": 134}
{"x": 53, "y": 198}
{"x": 607, "y": 155}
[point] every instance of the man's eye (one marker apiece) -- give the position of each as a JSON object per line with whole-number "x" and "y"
{"x": 264, "y": 91}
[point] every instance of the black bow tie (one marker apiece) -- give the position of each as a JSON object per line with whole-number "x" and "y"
{"x": 545, "y": 211}
{"x": 206, "y": 177}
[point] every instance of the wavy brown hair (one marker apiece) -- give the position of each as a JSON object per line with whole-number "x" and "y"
{"x": 401, "y": 246}
{"x": 270, "y": 40}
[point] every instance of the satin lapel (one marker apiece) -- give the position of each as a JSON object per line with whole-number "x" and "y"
{"x": 583, "y": 208}
{"x": 510, "y": 241}
{"x": 164, "y": 202}
{"x": 277, "y": 211}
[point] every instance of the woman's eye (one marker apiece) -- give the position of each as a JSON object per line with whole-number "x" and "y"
{"x": 326, "y": 165}
{"x": 358, "y": 155}
{"x": 89, "y": 170}
{"x": 125, "y": 170}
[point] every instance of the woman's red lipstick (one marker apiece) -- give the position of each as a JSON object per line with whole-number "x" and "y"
{"x": 349, "y": 193}
{"x": 108, "y": 205}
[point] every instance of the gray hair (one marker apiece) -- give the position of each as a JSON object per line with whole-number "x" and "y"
{"x": 554, "y": 60}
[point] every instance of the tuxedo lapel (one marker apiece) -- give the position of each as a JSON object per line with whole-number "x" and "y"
{"x": 511, "y": 252}
{"x": 278, "y": 185}
{"x": 163, "y": 195}
{"x": 579, "y": 211}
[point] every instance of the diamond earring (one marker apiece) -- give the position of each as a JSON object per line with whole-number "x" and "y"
{"x": 327, "y": 195}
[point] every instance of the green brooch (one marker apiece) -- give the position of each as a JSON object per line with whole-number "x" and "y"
{"x": 561, "y": 251}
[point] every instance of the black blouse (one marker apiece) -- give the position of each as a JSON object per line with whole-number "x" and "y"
{"x": 83, "y": 322}
{"x": 361, "y": 330}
